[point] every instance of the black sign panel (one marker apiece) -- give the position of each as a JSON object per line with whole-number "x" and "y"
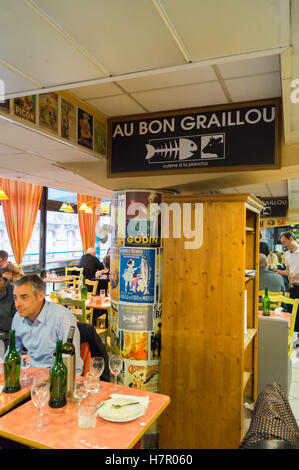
{"x": 274, "y": 207}
{"x": 229, "y": 137}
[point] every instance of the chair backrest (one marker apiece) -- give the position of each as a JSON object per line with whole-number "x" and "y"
{"x": 94, "y": 285}
{"x": 80, "y": 304}
{"x": 76, "y": 274}
{"x": 294, "y": 303}
{"x": 272, "y": 294}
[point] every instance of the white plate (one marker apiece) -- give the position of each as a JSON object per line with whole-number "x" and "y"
{"x": 123, "y": 414}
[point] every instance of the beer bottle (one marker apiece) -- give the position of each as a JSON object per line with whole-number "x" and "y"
{"x": 266, "y": 304}
{"x": 12, "y": 363}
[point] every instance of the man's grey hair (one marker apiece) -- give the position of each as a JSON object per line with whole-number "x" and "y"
{"x": 36, "y": 282}
{"x": 92, "y": 251}
{"x": 263, "y": 259}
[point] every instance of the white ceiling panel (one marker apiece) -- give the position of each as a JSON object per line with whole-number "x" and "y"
{"x": 189, "y": 96}
{"x": 255, "y": 87}
{"x": 11, "y": 82}
{"x": 5, "y": 150}
{"x": 123, "y": 35}
{"x": 96, "y": 91}
{"x": 38, "y": 50}
{"x": 68, "y": 156}
{"x": 117, "y": 105}
{"x": 255, "y": 66}
{"x": 162, "y": 80}
{"x": 217, "y": 28}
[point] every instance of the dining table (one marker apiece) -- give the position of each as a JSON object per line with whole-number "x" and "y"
{"x": 63, "y": 431}
{"x": 10, "y": 400}
{"x": 97, "y": 302}
{"x": 282, "y": 316}
{"x": 57, "y": 279}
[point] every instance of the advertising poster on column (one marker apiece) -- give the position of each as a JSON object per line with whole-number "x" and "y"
{"x": 25, "y": 107}
{"x": 114, "y": 274}
{"x": 155, "y": 351}
{"x": 143, "y": 222}
{"x": 118, "y": 218}
{"x": 48, "y": 111}
{"x": 135, "y": 346}
{"x": 159, "y": 276}
{"x": 68, "y": 121}
{"x": 137, "y": 275}
{"x": 142, "y": 375}
{"x": 133, "y": 317}
{"x": 85, "y": 129}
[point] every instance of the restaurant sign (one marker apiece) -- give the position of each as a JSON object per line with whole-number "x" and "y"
{"x": 227, "y": 137}
{"x": 274, "y": 207}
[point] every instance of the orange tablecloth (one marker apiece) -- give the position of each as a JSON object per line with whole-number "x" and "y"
{"x": 95, "y": 303}
{"x": 283, "y": 316}
{"x": 63, "y": 431}
{"x": 10, "y": 400}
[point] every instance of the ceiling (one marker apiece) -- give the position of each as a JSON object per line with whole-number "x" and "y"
{"x": 123, "y": 57}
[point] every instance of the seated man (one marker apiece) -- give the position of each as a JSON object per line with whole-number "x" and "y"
{"x": 7, "y": 308}
{"x": 39, "y": 324}
{"x": 9, "y": 270}
{"x": 268, "y": 278}
{"x": 90, "y": 263}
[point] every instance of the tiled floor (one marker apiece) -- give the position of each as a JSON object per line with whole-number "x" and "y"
{"x": 294, "y": 391}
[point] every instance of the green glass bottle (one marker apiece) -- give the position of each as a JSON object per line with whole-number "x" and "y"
{"x": 266, "y": 304}
{"x": 83, "y": 290}
{"x": 58, "y": 380}
{"x": 68, "y": 347}
{"x": 12, "y": 364}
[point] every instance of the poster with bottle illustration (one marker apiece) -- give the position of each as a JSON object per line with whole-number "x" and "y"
{"x": 68, "y": 120}
{"x": 48, "y": 111}
{"x": 143, "y": 219}
{"x": 114, "y": 273}
{"x": 118, "y": 218}
{"x": 142, "y": 375}
{"x": 99, "y": 137}
{"x": 135, "y": 345}
{"x": 4, "y": 106}
{"x": 137, "y": 275}
{"x": 85, "y": 129}
{"x": 134, "y": 317}
{"x": 155, "y": 339}
{"x": 25, "y": 107}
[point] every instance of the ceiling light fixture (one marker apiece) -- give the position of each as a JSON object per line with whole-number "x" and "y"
{"x": 3, "y": 195}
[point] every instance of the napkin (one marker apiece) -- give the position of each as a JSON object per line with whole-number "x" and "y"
{"x": 143, "y": 400}
{"x": 1, "y": 388}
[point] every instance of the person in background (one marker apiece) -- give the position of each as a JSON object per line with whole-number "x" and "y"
{"x": 7, "y": 308}
{"x": 105, "y": 273}
{"x": 281, "y": 266}
{"x": 264, "y": 246}
{"x": 268, "y": 278}
{"x": 9, "y": 270}
{"x": 38, "y": 324}
{"x": 90, "y": 263}
{"x": 289, "y": 242}
{"x": 272, "y": 261}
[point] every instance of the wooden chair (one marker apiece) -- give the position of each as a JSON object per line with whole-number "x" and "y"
{"x": 261, "y": 295}
{"x": 94, "y": 285}
{"x": 76, "y": 274}
{"x": 294, "y": 302}
{"x": 78, "y": 307}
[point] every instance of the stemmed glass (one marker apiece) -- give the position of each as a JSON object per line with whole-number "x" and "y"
{"x": 102, "y": 294}
{"x": 80, "y": 390}
{"x": 92, "y": 385}
{"x": 97, "y": 365}
{"x": 25, "y": 363}
{"x": 40, "y": 393}
{"x": 115, "y": 364}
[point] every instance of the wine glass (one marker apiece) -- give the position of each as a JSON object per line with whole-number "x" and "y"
{"x": 80, "y": 390}
{"x": 40, "y": 393}
{"x": 102, "y": 294}
{"x": 92, "y": 385}
{"x": 115, "y": 364}
{"x": 25, "y": 363}
{"x": 97, "y": 365}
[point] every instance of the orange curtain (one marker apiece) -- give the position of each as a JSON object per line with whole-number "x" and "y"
{"x": 88, "y": 222}
{"x": 20, "y": 212}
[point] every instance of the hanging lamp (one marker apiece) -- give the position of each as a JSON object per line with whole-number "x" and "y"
{"x": 83, "y": 207}
{"x": 3, "y": 195}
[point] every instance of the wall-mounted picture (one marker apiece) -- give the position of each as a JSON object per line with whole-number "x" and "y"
{"x": 68, "y": 120}
{"x": 48, "y": 111}
{"x": 99, "y": 135}
{"x": 85, "y": 129}
{"x": 25, "y": 107}
{"x": 4, "y": 106}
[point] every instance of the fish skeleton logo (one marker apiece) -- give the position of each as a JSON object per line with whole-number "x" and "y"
{"x": 172, "y": 149}
{"x": 196, "y": 148}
